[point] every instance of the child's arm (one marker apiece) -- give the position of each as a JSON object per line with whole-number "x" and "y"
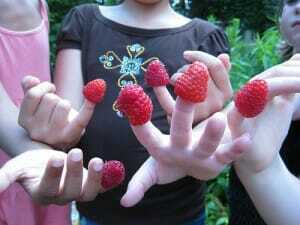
{"x": 275, "y": 193}
{"x": 269, "y": 184}
{"x": 13, "y": 139}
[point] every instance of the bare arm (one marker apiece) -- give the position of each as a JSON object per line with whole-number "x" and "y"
{"x": 68, "y": 76}
{"x": 13, "y": 139}
{"x": 275, "y": 193}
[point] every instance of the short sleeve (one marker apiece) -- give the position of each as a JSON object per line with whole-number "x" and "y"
{"x": 215, "y": 43}
{"x": 71, "y": 32}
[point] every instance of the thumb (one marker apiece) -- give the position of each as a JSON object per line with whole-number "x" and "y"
{"x": 29, "y": 82}
{"x": 225, "y": 60}
{"x": 7, "y": 176}
{"x": 140, "y": 183}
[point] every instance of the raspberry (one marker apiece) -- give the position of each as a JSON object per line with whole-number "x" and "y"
{"x": 94, "y": 90}
{"x": 193, "y": 84}
{"x": 251, "y": 99}
{"x": 135, "y": 104}
{"x": 113, "y": 174}
{"x": 156, "y": 74}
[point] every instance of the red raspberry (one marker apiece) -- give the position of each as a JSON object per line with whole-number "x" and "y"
{"x": 251, "y": 99}
{"x": 193, "y": 84}
{"x": 113, "y": 174}
{"x": 94, "y": 90}
{"x": 135, "y": 104}
{"x": 156, "y": 74}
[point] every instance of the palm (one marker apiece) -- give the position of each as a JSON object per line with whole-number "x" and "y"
{"x": 29, "y": 169}
{"x": 268, "y": 131}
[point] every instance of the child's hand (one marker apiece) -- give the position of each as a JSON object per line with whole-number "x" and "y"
{"x": 289, "y": 68}
{"x": 185, "y": 152}
{"x": 50, "y": 119}
{"x": 219, "y": 87}
{"x": 269, "y": 129}
{"x": 51, "y": 176}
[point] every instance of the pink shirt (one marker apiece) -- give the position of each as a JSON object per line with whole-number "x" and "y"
{"x": 21, "y": 54}
{"x": 24, "y": 53}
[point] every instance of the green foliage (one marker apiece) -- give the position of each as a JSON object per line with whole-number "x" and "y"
{"x": 256, "y": 15}
{"x": 216, "y": 201}
{"x": 251, "y": 57}
{"x": 59, "y": 9}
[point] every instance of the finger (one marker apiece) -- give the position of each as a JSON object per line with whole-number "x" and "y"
{"x": 225, "y": 60}
{"x": 283, "y": 86}
{"x": 49, "y": 186}
{"x": 228, "y": 153}
{"x": 46, "y": 108}
{"x": 183, "y": 69}
{"x": 73, "y": 180}
{"x": 235, "y": 122}
{"x": 216, "y": 68}
{"x": 60, "y": 115}
{"x": 165, "y": 99}
{"x": 142, "y": 181}
{"x": 212, "y": 136}
{"x": 150, "y": 137}
{"x": 181, "y": 123}
{"x": 81, "y": 120}
{"x": 92, "y": 187}
{"x": 295, "y": 57}
{"x": 29, "y": 82}
{"x": 279, "y": 71}
{"x": 6, "y": 177}
{"x": 174, "y": 78}
{"x": 34, "y": 96}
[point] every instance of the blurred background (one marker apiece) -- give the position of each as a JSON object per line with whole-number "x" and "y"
{"x": 252, "y": 29}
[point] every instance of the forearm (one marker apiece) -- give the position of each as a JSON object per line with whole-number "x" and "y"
{"x": 13, "y": 138}
{"x": 275, "y": 193}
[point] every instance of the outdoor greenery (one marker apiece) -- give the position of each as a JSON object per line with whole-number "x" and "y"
{"x": 249, "y": 56}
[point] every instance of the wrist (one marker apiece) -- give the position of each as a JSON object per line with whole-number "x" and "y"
{"x": 250, "y": 175}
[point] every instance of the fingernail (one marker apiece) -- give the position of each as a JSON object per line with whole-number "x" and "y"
{"x": 76, "y": 156}
{"x": 57, "y": 163}
{"x": 98, "y": 166}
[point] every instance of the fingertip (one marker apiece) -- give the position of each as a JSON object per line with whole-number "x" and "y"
{"x": 56, "y": 162}
{"x": 75, "y": 155}
{"x": 217, "y": 123}
{"x": 243, "y": 144}
{"x": 29, "y": 82}
{"x": 128, "y": 200}
{"x": 225, "y": 58}
{"x": 97, "y": 164}
{"x": 175, "y": 77}
{"x": 88, "y": 104}
{"x": 187, "y": 53}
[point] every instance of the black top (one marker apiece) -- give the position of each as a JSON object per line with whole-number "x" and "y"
{"x": 242, "y": 209}
{"x": 119, "y": 54}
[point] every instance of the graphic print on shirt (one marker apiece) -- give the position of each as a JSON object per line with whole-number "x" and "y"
{"x": 130, "y": 66}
